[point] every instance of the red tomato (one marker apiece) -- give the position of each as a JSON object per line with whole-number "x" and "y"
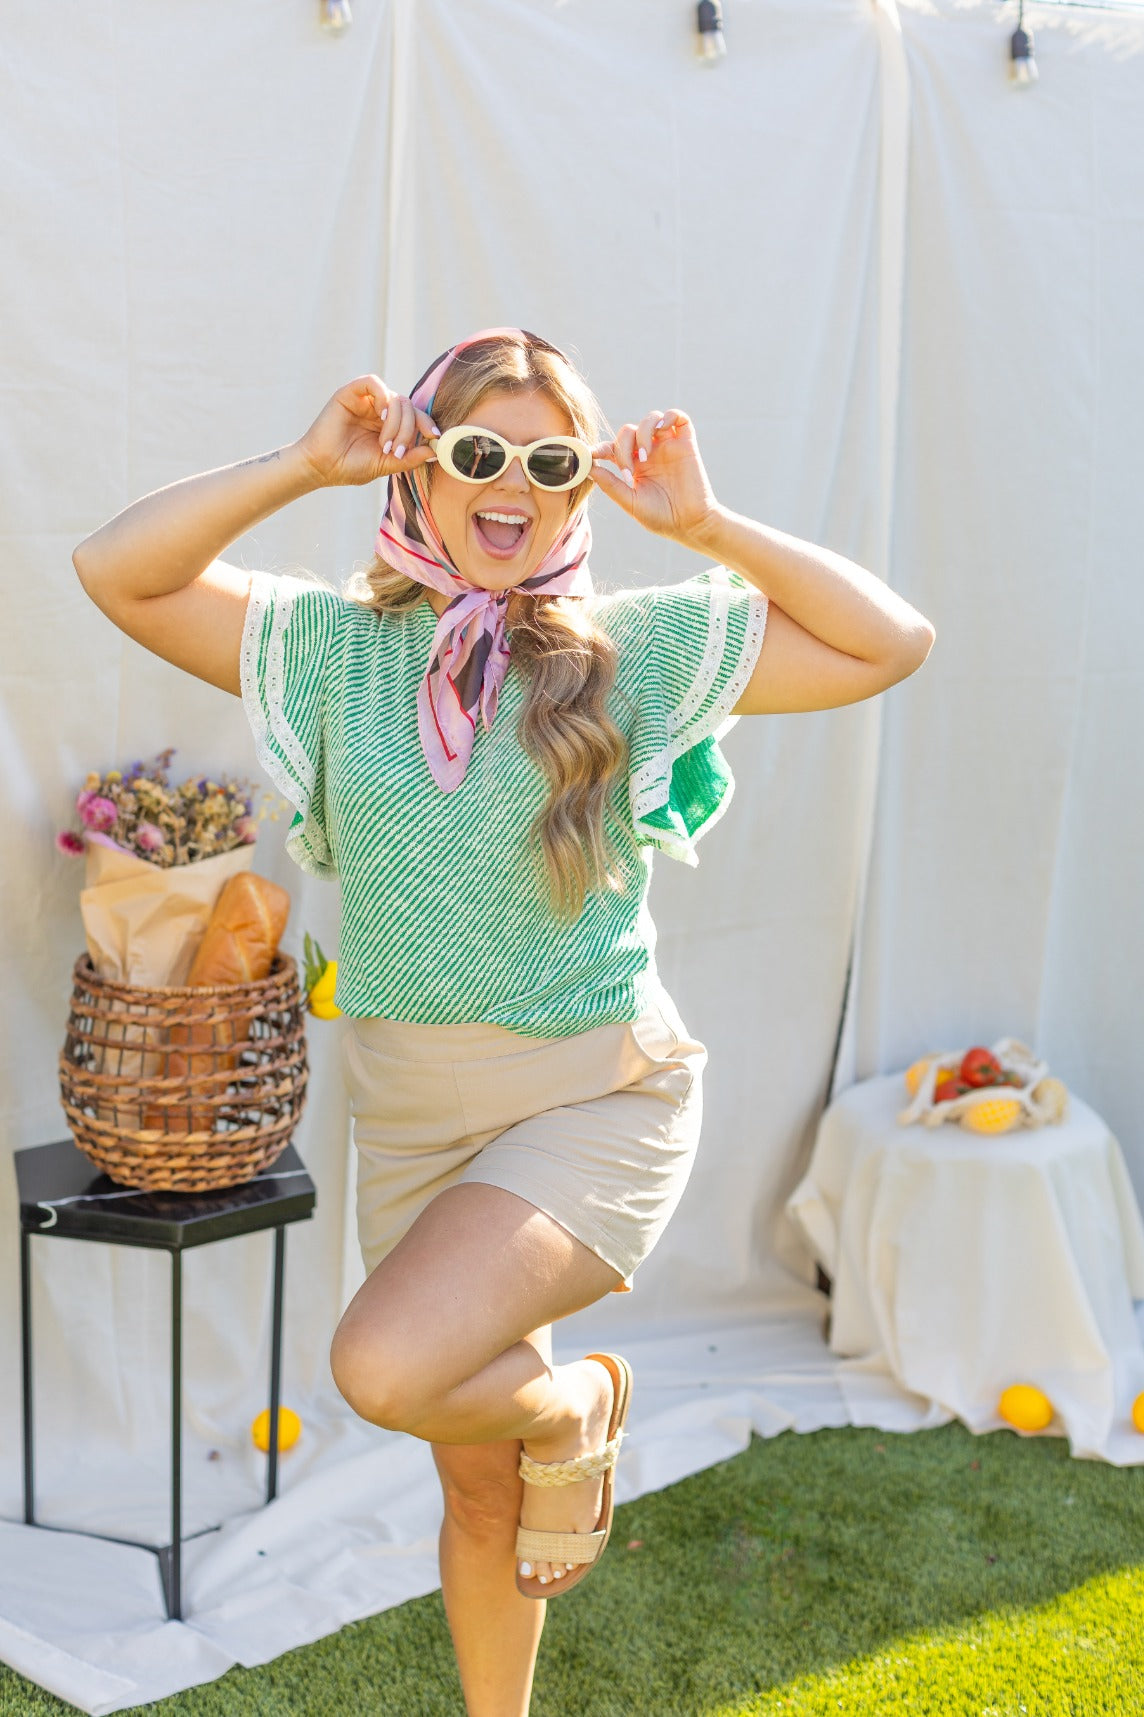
{"x": 948, "y": 1087}
{"x": 980, "y": 1067}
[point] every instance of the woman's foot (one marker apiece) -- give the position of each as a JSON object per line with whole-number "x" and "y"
{"x": 573, "y": 1507}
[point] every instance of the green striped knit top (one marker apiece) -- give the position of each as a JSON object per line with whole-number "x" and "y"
{"x": 445, "y": 915}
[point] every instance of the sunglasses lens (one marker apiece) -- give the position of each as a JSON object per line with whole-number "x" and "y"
{"x": 478, "y": 457}
{"x": 551, "y": 466}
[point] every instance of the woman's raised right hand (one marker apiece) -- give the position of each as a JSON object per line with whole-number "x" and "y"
{"x": 364, "y": 432}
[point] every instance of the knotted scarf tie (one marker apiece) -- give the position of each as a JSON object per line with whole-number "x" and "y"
{"x": 470, "y": 653}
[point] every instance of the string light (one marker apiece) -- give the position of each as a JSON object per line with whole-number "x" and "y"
{"x": 1022, "y": 69}
{"x": 1022, "y": 65}
{"x": 336, "y": 15}
{"x": 710, "y": 45}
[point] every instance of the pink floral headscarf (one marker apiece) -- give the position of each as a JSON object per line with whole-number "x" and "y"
{"x": 470, "y": 653}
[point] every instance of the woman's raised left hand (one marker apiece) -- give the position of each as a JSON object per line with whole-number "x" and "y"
{"x": 668, "y": 491}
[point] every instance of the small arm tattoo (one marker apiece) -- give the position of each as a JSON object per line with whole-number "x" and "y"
{"x": 262, "y": 458}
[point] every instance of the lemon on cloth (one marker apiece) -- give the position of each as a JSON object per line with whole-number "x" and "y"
{"x": 996, "y": 1115}
{"x": 289, "y": 1429}
{"x": 1025, "y": 1407}
{"x": 915, "y": 1073}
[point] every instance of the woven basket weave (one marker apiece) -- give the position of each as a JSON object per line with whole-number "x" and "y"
{"x": 184, "y": 1089}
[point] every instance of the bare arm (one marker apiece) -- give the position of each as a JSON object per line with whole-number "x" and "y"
{"x": 835, "y": 633}
{"x": 154, "y": 569}
{"x": 160, "y": 543}
{"x": 837, "y": 600}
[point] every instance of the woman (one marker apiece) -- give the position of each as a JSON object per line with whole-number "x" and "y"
{"x": 526, "y": 1098}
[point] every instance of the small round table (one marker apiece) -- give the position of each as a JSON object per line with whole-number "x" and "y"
{"x": 961, "y": 1263}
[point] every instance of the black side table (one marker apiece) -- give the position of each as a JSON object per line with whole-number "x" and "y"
{"x": 62, "y": 1192}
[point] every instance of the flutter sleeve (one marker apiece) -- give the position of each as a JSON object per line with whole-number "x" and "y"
{"x": 701, "y": 640}
{"x": 284, "y": 666}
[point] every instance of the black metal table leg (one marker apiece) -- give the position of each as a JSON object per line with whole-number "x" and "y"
{"x": 26, "y": 1363}
{"x": 174, "y": 1592}
{"x": 276, "y": 1360}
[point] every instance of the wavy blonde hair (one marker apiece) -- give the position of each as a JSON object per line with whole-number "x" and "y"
{"x": 567, "y": 661}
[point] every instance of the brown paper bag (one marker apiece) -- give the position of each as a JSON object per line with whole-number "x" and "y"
{"x": 143, "y": 924}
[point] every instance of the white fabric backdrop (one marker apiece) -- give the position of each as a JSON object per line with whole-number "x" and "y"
{"x": 222, "y": 215}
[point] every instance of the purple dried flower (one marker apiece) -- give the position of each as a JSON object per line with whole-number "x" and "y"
{"x": 66, "y": 842}
{"x": 246, "y": 828}
{"x": 149, "y": 838}
{"x": 97, "y": 813}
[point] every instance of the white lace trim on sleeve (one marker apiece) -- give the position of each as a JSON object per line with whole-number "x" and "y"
{"x": 651, "y": 784}
{"x": 276, "y": 744}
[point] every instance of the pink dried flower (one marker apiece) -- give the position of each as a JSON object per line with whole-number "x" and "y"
{"x": 246, "y": 828}
{"x": 66, "y": 842}
{"x": 149, "y": 838}
{"x": 99, "y": 813}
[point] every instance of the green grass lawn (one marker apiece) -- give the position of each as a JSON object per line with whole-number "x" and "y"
{"x": 937, "y": 1574}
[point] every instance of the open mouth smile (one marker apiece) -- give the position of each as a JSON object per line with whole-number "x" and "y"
{"x": 501, "y": 533}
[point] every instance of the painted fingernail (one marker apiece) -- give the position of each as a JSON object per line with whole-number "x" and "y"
{"x": 628, "y": 479}
{"x": 568, "y": 1564}
{"x": 399, "y": 451}
{"x": 558, "y": 1573}
{"x": 543, "y": 1578}
{"x": 526, "y": 1569}
{"x": 387, "y": 447}
{"x": 643, "y": 455}
{"x": 661, "y": 423}
{"x": 433, "y": 430}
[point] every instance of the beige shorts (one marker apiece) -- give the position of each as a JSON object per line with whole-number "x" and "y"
{"x": 598, "y": 1130}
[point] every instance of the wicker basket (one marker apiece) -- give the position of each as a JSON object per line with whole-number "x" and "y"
{"x": 184, "y": 1089}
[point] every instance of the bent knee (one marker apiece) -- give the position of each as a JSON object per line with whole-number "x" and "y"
{"x": 377, "y": 1383}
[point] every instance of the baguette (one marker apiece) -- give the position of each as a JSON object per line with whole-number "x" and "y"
{"x": 237, "y": 947}
{"x": 243, "y": 932}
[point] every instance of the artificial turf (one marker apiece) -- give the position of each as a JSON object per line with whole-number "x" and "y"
{"x": 937, "y": 1574}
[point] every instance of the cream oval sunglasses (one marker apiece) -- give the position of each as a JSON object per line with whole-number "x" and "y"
{"x": 478, "y": 455}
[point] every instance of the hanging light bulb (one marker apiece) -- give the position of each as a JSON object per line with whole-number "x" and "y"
{"x": 710, "y": 45}
{"x": 336, "y": 14}
{"x": 1022, "y": 65}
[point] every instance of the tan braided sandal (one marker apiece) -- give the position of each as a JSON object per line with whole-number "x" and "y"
{"x": 581, "y": 1548}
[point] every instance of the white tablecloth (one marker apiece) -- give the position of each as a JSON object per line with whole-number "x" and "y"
{"x": 961, "y": 1264}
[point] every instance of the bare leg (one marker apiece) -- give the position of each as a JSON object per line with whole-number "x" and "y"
{"x": 434, "y": 1342}
{"x": 496, "y": 1631}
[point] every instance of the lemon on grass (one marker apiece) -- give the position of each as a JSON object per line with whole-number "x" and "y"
{"x": 1025, "y": 1407}
{"x": 289, "y": 1429}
